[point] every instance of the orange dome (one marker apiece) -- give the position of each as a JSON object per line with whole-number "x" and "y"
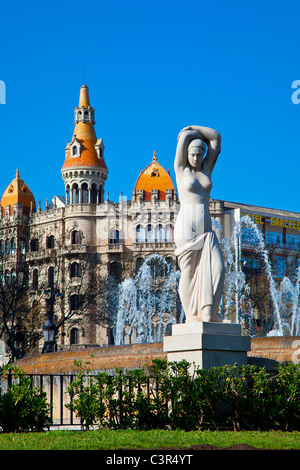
{"x": 84, "y": 134}
{"x": 154, "y": 177}
{"x": 18, "y": 193}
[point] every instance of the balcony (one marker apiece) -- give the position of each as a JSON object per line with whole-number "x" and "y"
{"x": 80, "y": 207}
{"x": 36, "y": 255}
{"x": 154, "y": 246}
{"x": 74, "y": 249}
{"x": 115, "y": 248}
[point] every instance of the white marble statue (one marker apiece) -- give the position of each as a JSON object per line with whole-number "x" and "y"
{"x": 197, "y": 248}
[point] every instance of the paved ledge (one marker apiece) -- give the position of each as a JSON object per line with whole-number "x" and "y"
{"x": 264, "y": 351}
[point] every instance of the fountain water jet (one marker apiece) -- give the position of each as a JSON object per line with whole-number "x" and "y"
{"x": 151, "y": 297}
{"x": 287, "y": 291}
{"x": 141, "y": 303}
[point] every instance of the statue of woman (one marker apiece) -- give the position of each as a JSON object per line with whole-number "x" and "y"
{"x": 197, "y": 248}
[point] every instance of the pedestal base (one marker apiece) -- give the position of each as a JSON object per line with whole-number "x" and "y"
{"x": 207, "y": 344}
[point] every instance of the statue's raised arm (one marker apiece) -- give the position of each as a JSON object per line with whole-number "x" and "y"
{"x": 185, "y": 137}
{"x": 197, "y": 248}
{"x": 206, "y": 135}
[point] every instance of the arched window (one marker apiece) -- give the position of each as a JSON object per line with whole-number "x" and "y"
{"x": 114, "y": 236}
{"x": 13, "y": 246}
{"x": 76, "y": 302}
{"x": 93, "y": 194}
{"x": 74, "y": 336}
{"x": 75, "y": 150}
{"x": 34, "y": 244}
{"x": 150, "y": 237}
{"x": 85, "y": 193}
{"x": 22, "y": 245}
{"x": 159, "y": 234}
{"x": 75, "y": 237}
{"x": 75, "y": 270}
{"x": 75, "y": 192}
{"x": 169, "y": 233}
{"x": 50, "y": 241}
{"x": 68, "y": 194}
{"x": 140, "y": 234}
{"x": 35, "y": 279}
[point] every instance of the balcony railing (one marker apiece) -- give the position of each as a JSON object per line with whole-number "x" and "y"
{"x": 74, "y": 249}
{"x": 115, "y": 247}
{"x": 153, "y": 246}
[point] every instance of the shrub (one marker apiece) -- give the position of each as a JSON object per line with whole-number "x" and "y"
{"x": 287, "y": 397}
{"x": 247, "y": 393}
{"x": 191, "y": 398}
{"x": 260, "y": 400}
{"x": 167, "y": 395}
{"x": 87, "y": 398}
{"x": 23, "y": 407}
{"x": 138, "y": 410}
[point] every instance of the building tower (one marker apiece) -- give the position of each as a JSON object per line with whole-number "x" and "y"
{"x": 84, "y": 171}
{"x": 154, "y": 184}
{"x": 154, "y": 199}
{"x": 17, "y": 194}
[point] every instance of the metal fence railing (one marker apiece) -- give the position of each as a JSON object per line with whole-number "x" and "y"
{"x": 56, "y": 388}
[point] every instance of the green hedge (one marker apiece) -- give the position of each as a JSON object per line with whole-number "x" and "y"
{"x": 168, "y": 395}
{"x": 23, "y": 407}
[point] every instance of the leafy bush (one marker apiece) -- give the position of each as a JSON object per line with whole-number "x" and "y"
{"x": 114, "y": 401}
{"x": 170, "y": 396}
{"x": 191, "y": 399}
{"x": 287, "y": 397}
{"x": 261, "y": 400}
{"x": 23, "y": 407}
{"x": 88, "y": 403}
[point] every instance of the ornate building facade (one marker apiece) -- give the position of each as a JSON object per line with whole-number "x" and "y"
{"x": 81, "y": 238}
{"x": 69, "y": 250}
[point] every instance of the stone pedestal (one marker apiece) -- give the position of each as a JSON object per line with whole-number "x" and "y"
{"x": 207, "y": 344}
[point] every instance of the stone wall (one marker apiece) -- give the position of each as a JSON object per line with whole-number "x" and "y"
{"x": 266, "y": 352}
{"x": 274, "y": 349}
{"x": 106, "y": 358}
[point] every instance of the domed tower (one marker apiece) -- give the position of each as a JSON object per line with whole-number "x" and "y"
{"x": 84, "y": 171}
{"x": 154, "y": 204}
{"x": 18, "y": 192}
{"x": 154, "y": 183}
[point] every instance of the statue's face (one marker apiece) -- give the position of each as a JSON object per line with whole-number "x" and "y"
{"x": 196, "y": 152}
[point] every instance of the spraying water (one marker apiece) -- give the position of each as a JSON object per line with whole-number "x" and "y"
{"x": 147, "y": 303}
{"x": 285, "y": 297}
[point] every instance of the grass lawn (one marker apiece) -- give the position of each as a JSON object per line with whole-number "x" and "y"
{"x": 155, "y": 439}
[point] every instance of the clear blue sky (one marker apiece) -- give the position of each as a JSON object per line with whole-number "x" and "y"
{"x": 152, "y": 69}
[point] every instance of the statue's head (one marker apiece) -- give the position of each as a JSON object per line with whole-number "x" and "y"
{"x": 196, "y": 152}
